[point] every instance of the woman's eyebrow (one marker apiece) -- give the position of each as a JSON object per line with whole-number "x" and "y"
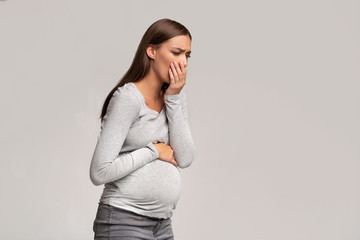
{"x": 181, "y": 50}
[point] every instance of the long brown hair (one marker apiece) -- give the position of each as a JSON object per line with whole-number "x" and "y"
{"x": 158, "y": 32}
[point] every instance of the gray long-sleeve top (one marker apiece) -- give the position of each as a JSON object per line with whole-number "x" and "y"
{"x": 126, "y": 160}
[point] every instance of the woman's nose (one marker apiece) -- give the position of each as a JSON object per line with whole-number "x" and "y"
{"x": 184, "y": 62}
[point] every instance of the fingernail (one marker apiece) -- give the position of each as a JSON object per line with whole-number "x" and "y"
{"x": 172, "y": 64}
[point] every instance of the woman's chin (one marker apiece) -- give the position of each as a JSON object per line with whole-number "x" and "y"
{"x": 167, "y": 80}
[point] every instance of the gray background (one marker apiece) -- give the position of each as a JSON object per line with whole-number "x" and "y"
{"x": 274, "y": 108}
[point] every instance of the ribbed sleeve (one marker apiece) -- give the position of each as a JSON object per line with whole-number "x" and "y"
{"x": 108, "y": 164}
{"x": 181, "y": 140}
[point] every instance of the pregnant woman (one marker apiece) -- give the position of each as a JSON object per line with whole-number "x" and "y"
{"x": 144, "y": 139}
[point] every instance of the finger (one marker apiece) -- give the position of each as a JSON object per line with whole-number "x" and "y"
{"x": 176, "y": 76}
{"x": 178, "y": 68}
{"x": 182, "y": 66}
{"x": 171, "y": 76}
{"x": 173, "y": 161}
{"x": 173, "y": 68}
{"x": 181, "y": 72}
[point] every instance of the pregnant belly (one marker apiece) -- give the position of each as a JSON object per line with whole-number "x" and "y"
{"x": 156, "y": 182}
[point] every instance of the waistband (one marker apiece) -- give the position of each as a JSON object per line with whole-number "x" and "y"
{"x": 125, "y": 210}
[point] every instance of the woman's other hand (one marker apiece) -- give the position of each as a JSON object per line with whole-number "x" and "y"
{"x": 165, "y": 153}
{"x": 177, "y": 73}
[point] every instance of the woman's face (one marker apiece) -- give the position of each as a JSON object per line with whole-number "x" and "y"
{"x": 176, "y": 49}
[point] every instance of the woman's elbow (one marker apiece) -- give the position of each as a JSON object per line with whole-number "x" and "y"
{"x": 95, "y": 181}
{"x": 189, "y": 159}
{"x": 95, "y": 178}
{"x": 184, "y": 165}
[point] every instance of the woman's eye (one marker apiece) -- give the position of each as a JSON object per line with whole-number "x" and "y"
{"x": 177, "y": 54}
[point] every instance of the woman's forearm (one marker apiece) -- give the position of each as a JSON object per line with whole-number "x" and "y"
{"x": 181, "y": 140}
{"x": 110, "y": 170}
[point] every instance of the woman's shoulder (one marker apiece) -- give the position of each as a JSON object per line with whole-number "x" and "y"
{"x": 125, "y": 96}
{"x": 126, "y": 90}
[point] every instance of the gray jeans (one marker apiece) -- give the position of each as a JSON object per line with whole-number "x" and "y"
{"x": 120, "y": 224}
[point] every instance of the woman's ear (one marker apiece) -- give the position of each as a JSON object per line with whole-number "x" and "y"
{"x": 151, "y": 51}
